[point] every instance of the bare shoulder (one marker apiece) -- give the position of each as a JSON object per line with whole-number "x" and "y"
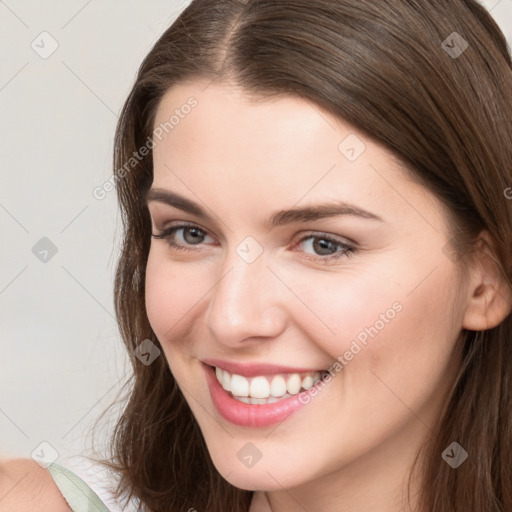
{"x": 25, "y": 486}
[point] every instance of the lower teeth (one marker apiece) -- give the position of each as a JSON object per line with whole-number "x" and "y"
{"x": 260, "y": 401}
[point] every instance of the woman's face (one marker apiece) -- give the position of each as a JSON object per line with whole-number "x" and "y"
{"x": 301, "y": 246}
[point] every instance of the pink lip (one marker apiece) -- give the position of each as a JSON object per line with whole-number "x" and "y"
{"x": 252, "y": 369}
{"x": 248, "y": 415}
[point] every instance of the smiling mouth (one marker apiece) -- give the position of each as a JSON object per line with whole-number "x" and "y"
{"x": 266, "y": 389}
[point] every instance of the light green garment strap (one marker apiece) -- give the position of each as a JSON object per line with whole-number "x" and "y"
{"x": 80, "y": 497}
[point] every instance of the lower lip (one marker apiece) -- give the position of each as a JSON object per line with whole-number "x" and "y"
{"x": 249, "y": 415}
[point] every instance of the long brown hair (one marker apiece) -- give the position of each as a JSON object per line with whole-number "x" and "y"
{"x": 431, "y": 80}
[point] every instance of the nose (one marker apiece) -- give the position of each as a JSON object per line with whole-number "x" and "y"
{"x": 245, "y": 305}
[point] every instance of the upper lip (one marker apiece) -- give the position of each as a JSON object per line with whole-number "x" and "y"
{"x": 254, "y": 369}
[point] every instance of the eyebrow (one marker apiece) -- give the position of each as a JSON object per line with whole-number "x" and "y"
{"x": 279, "y": 218}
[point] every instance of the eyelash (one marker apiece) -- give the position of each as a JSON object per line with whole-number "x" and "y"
{"x": 347, "y": 250}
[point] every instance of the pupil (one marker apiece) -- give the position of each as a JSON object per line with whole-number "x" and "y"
{"x": 324, "y": 247}
{"x": 193, "y": 235}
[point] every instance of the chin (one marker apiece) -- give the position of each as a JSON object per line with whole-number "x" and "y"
{"x": 261, "y": 477}
{"x": 253, "y": 482}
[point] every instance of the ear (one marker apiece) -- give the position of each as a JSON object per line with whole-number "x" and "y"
{"x": 489, "y": 294}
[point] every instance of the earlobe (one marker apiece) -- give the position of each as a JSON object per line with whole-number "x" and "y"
{"x": 489, "y": 293}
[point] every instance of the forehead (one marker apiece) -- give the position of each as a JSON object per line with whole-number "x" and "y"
{"x": 244, "y": 125}
{"x": 272, "y": 153}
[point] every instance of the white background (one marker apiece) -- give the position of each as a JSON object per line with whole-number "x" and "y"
{"x": 61, "y": 357}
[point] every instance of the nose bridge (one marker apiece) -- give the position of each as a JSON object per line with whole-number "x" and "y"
{"x": 243, "y": 303}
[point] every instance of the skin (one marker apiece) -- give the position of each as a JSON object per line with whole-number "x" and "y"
{"x": 242, "y": 160}
{"x": 24, "y": 486}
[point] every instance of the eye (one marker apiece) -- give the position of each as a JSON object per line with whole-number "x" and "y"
{"x": 317, "y": 247}
{"x": 179, "y": 237}
{"x": 325, "y": 247}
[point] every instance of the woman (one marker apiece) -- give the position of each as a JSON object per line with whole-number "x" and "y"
{"x": 244, "y": 269}
{"x": 315, "y": 282}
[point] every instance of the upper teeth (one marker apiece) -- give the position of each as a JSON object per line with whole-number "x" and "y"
{"x": 268, "y": 385}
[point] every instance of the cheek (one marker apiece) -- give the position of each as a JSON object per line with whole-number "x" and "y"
{"x": 406, "y": 364}
{"x": 383, "y": 323}
{"x": 337, "y": 308}
{"x": 172, "y": 292}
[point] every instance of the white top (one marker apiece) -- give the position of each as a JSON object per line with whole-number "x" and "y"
{"x": 88, "y": 486}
